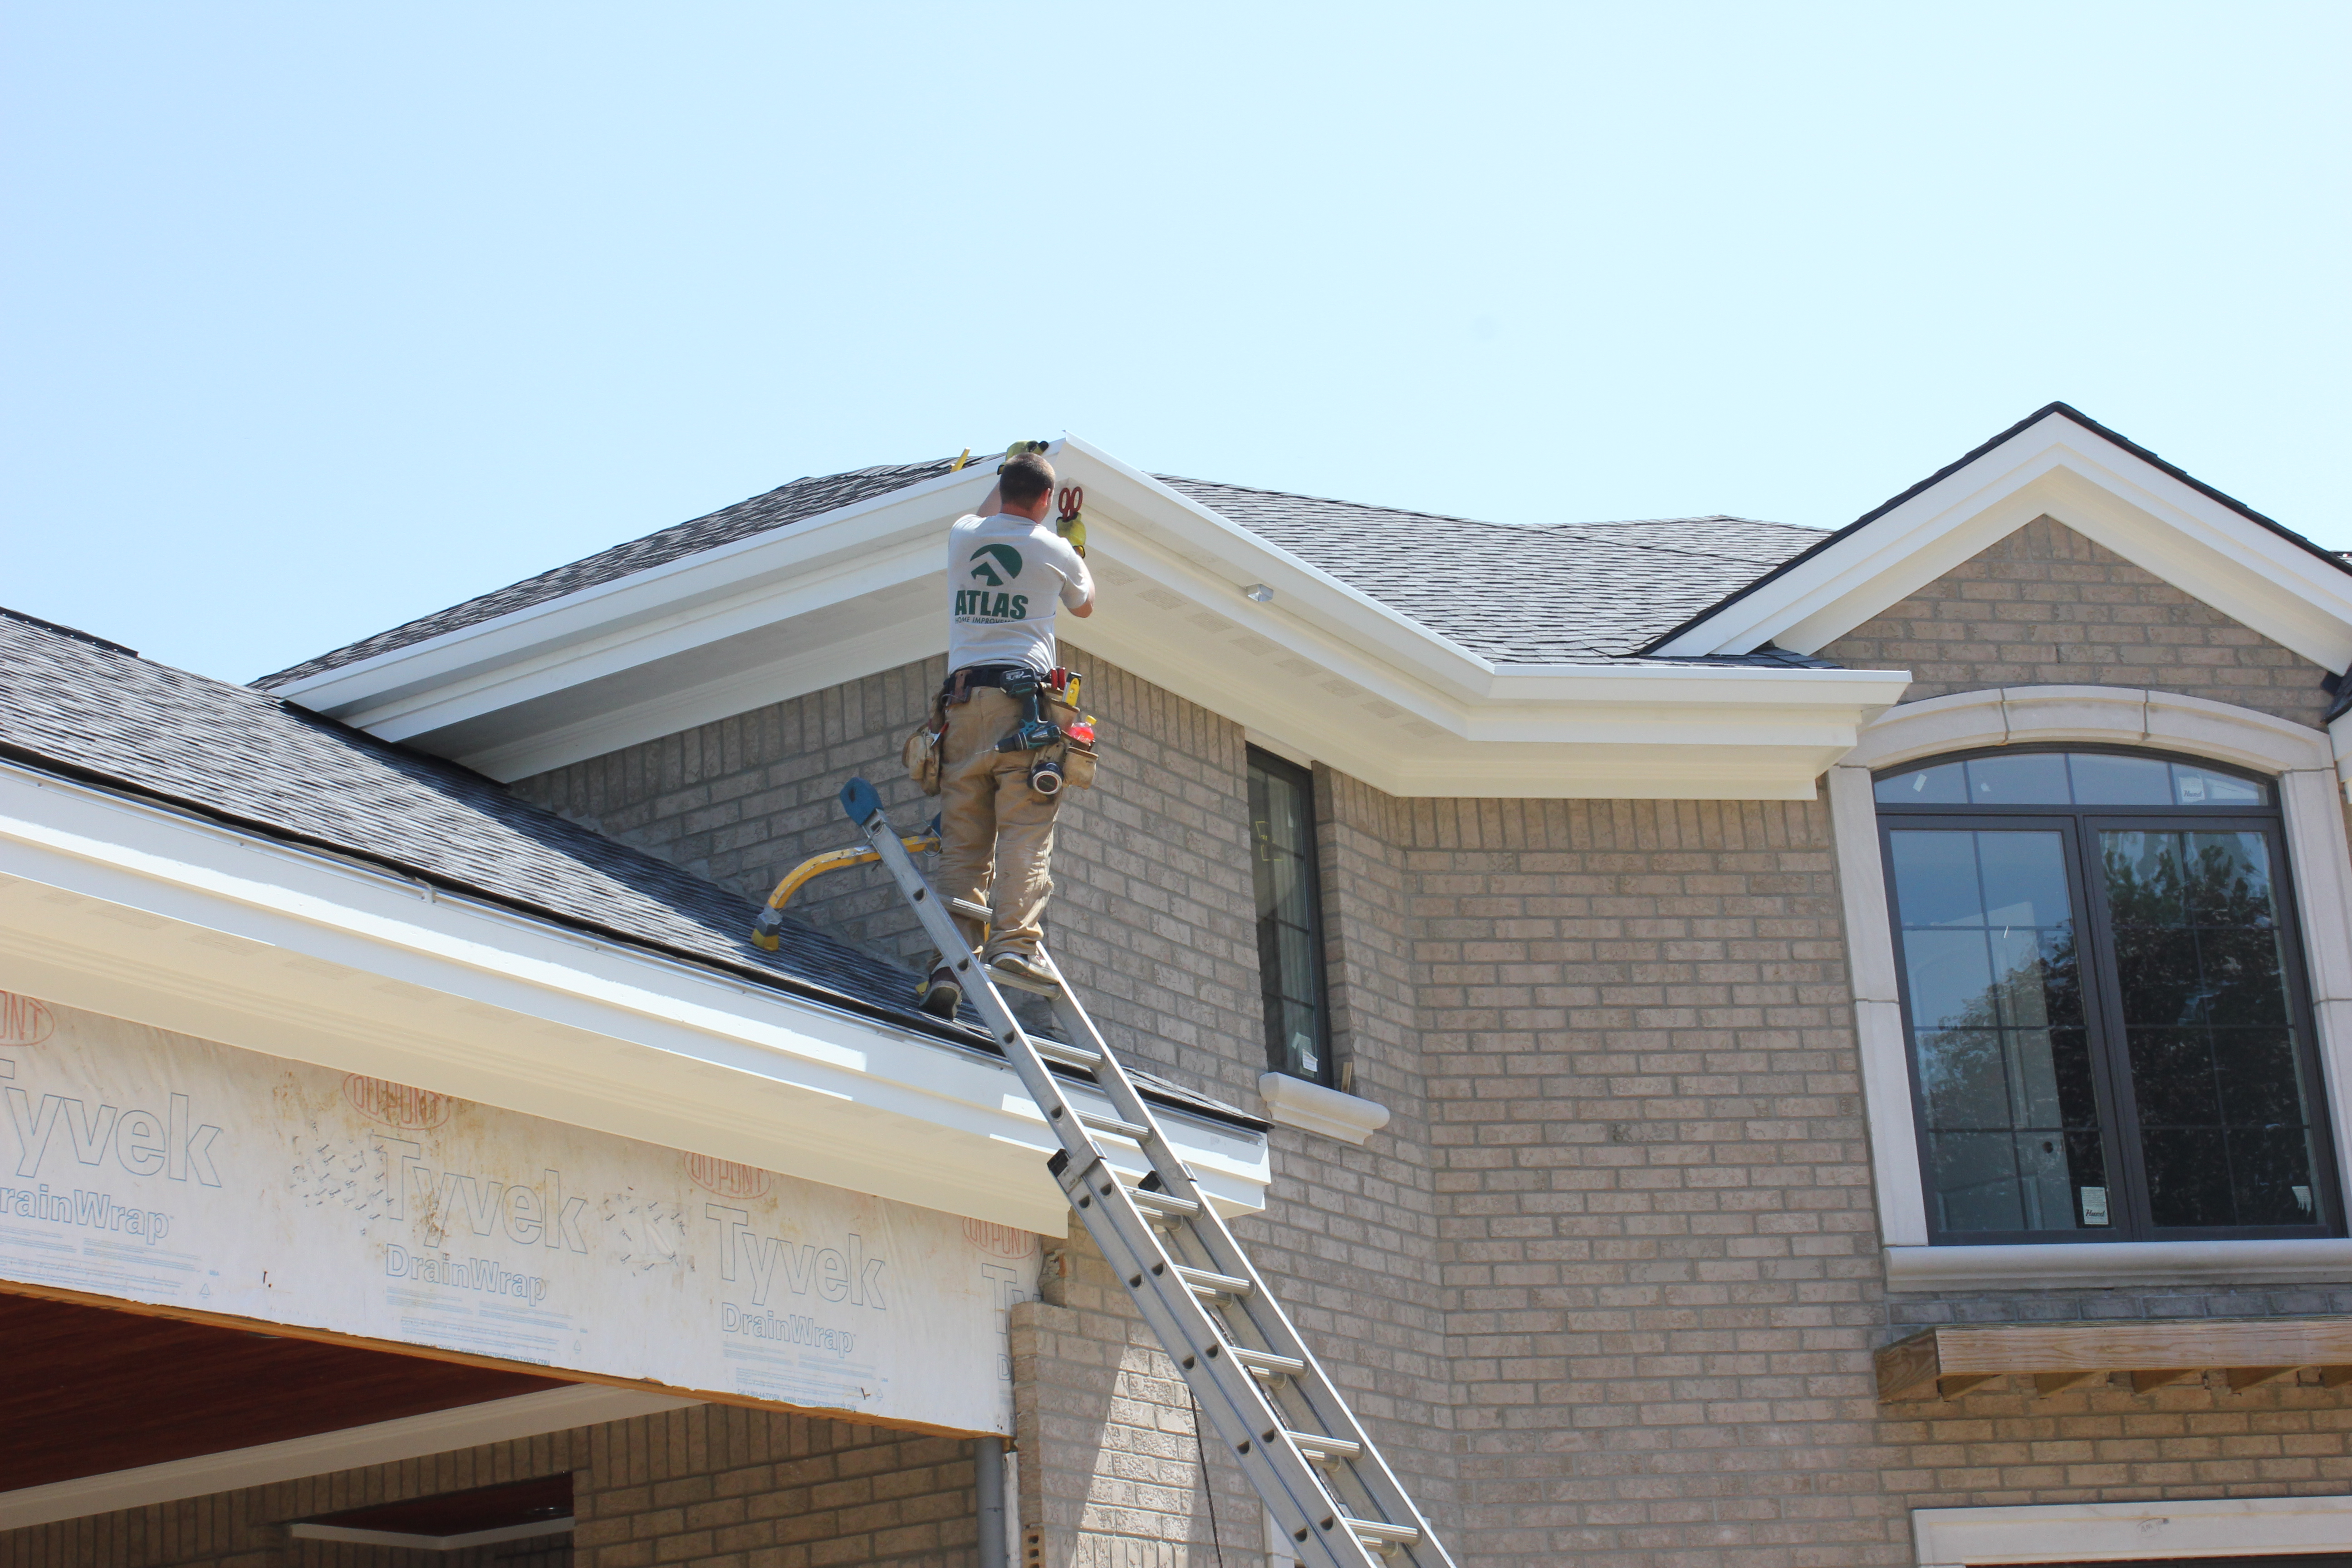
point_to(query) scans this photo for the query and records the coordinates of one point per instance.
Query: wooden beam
(1907, 1368)
(2241, 1377)
(1953, 1387)
(2334, 1376)
(2257, 1350)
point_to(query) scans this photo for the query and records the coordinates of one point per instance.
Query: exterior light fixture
(1259, 593)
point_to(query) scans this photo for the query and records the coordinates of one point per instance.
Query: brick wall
(743, 800)
(2047, 606)
(1607, 1288)
(1659, 1244)
(709, 1484)
(1153, 912)
(1154, 916)
(2100, 1442)
(1112, 1471)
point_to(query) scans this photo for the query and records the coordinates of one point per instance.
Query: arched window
(2109, 1030)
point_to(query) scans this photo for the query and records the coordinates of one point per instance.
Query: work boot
(1023, 972)
(940, 995)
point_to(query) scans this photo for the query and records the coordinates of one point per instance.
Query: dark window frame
(1276, 1043)
(2079, 827)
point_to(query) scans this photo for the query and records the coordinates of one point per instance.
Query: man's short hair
(1026, 478)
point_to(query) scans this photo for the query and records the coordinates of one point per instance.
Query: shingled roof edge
(2063, 409)
(1174, 1098)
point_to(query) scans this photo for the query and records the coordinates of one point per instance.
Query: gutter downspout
(988, 1482)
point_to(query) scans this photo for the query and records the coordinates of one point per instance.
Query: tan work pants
(996, 834)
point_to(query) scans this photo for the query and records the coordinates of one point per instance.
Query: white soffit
(2054, 468)
(140, 913)
(1321, 667)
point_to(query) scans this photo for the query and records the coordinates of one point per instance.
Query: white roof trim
(1323, 669)
(143, 913)
(2056, 467)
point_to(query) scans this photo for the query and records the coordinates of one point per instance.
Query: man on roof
(1008, 574)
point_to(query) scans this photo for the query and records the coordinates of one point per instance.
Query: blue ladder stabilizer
(860, 801)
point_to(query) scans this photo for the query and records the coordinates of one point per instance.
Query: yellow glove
(1074, 530)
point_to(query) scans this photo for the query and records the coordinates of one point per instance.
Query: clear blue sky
(321, 317)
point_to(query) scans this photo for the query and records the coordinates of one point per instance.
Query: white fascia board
(888, 641)
(1323, 667)
(2058, 467)
(1545, 730)
(1651, 731)
(143, 913)
(1223, 548)
(815, 545)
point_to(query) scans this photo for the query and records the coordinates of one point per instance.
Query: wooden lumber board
(1912, 1368)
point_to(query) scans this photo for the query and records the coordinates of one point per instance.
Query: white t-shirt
(1004, 575)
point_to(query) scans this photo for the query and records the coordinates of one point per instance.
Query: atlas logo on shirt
(1005, 555)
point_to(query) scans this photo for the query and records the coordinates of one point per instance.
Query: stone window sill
(2096, 1263)
(2253, 1528)
(1295, 1102)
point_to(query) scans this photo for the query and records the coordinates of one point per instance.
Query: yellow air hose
(766, 932)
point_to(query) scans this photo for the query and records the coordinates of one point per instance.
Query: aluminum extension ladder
(1266, 1398)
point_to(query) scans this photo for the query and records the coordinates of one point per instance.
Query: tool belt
(1050, 726)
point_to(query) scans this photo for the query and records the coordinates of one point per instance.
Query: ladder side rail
(1326, 1409)
(1060, 1111)
(1284, 1477)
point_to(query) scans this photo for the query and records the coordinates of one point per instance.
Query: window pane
(2004, 1067)
(2194, 786)
(1289, 932)
(1945, 784)
(2104, 780)
(2225, 1129)
(2024, 879)
(1936, 879)
(2024, 778)
(2059, 778)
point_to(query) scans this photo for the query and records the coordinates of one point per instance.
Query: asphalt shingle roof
(1567, 592)
(80, 706)
(785, 505)
(1562, 592)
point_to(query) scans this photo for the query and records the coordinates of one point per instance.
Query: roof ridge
(63, 630)
(1335, 501)
(389, 639)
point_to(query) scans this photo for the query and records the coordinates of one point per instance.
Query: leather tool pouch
(921, 751)
(921, 754)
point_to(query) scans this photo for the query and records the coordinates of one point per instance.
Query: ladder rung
(1326, 1450)
(1162, 1205)
(1068, 1056)
(1268, 1366)
(1372, 1532)
(1204, 1282)
(1112, 1125)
